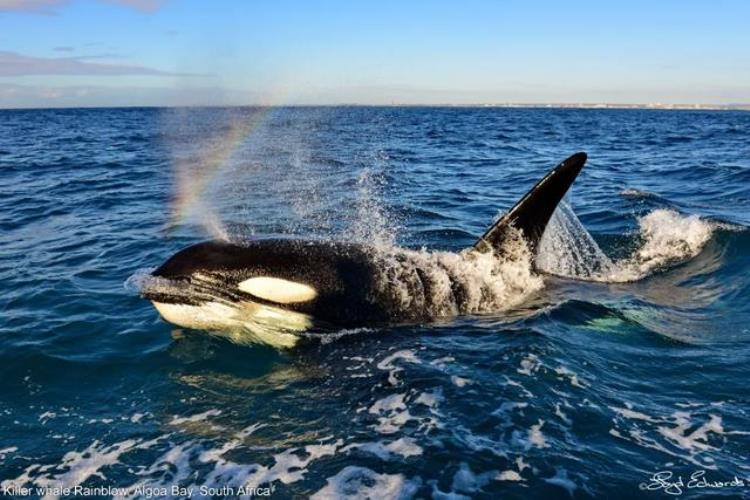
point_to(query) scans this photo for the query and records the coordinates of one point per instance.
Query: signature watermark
(668, 482)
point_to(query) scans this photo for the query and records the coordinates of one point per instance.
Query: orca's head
(265, 271)
(218, 285)
(193, 275)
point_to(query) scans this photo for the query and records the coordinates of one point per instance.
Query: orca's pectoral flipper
(532, 213)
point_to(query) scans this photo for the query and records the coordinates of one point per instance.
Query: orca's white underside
(242, 322)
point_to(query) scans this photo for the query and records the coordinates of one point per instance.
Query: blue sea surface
(587, 389)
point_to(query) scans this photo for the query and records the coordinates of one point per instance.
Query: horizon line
(592, 106)
(546, 105)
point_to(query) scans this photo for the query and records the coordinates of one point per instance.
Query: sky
(57, 53)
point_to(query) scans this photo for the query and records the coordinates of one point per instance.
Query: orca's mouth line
(186, 291)
(199, 289)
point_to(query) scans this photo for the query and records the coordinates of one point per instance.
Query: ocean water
(626, 357)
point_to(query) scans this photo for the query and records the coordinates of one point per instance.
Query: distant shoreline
(650, 106)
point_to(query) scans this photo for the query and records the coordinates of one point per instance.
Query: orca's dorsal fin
(532, 212)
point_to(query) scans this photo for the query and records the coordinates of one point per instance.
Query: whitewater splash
(665, 238)
(448, 284)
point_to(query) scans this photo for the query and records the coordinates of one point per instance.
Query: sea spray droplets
(137, 282)
(567, 249)
(373, 223)
(199, 156)
(666, 238)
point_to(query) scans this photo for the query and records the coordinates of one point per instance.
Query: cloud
(50, 7)
(141, 5)
(15, 64)
(47, 7)
(103, 55)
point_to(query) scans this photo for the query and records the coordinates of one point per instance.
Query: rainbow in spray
(208, 155)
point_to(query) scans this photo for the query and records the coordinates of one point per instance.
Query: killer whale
(271, 290)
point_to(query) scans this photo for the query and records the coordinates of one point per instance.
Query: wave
(664, 238)
(641, 194)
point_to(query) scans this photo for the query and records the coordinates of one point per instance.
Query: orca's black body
(340, 284)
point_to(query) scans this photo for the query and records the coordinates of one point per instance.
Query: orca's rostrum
(273, 290)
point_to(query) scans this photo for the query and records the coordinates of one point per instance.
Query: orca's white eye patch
(277, 290)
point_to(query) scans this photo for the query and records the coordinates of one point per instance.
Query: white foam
(387, 363)
(676, 433)
(405, 355)
(198, 417)
(46, 416)
(101, 420)
(631, 414)
(521, 464)
(636, 193)
(536, 437)
(668, 238)
(515, 383)
(430, 399)
(176, 466)
(393, 413)
(696, 440)
(509, 475)
(76, 466)
(289, 466)
(389, 403)
(460, 381)
(172, 467)
(404, 447)
(362, 483)
(529, 365)
(570, 375)
(329, 337)
(428, 281)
